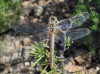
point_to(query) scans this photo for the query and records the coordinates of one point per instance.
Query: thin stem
(63, 52)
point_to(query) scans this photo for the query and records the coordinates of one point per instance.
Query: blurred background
(12, 43)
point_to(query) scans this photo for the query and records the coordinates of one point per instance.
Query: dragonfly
(54, 30)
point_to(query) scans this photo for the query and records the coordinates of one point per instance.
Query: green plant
(9, 11)
(90, 42)
(91, 6)
(80, 7)
(39, 53)
(43, 56)
(83, 6)
(95, 19)
(78, 73)
(68, 41)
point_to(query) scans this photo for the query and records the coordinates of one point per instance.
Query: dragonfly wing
(28, 29)
(75, 21)
(65, 24)
(79, 19)
(77, 33)
(74, 34)
(42, 36)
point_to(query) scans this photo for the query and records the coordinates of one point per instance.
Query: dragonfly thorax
(52, 24)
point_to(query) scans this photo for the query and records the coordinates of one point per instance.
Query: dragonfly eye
(53, 19)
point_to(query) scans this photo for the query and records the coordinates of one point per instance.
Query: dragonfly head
(53, 20)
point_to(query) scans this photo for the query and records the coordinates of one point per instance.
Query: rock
(60, 0)
(34, 20)
(5, 71)
(42, 3)
(21, 65)
(7, 58)
(3, 58)
(21, 18)
(26, 41)
(27, 63)
(70, 66)
(17, 44)
(14, 56)
(38, 10)
(67, 15)
(11, 69)
(90, 71)
(27, 4)
(97, 68)
(82, 57)
(26, 54)
(83, 60)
